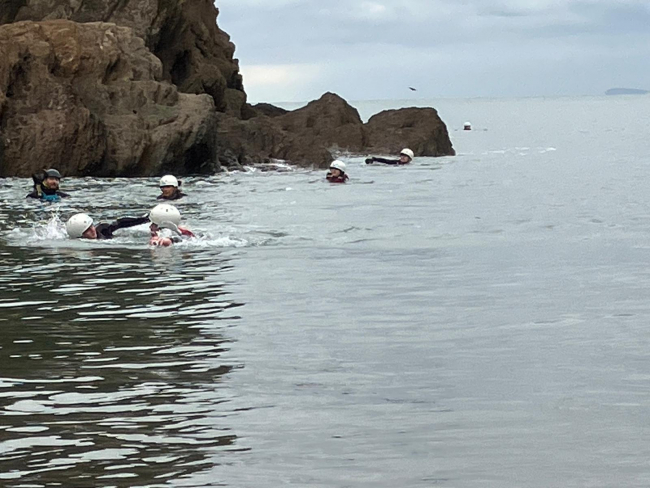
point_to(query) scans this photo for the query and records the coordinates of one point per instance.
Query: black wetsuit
(42, 192)
(384, 161)
(105, 230)
(175, 196)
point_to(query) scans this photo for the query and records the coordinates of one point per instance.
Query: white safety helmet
(407, 152)
(340, 165)
(78, 224)
(169, 180)
(165, 212)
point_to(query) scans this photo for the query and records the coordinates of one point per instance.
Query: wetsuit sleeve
(385, 161)
(33, 194)
(128, 222)
(106, 230)
(62, 194)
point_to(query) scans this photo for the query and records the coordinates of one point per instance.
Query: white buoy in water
(467, 126)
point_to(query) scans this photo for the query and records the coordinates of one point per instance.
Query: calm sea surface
(475, 321)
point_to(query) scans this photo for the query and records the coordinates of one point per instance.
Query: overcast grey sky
(294, 50)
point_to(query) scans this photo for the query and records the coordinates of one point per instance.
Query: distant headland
(626, 91)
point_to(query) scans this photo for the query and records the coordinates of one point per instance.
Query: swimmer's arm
(126, 222)
(385, 161)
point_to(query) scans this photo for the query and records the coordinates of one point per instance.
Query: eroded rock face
(329, 122)
(88, 99)
(261, 139)
(419, 129)
(196, 55)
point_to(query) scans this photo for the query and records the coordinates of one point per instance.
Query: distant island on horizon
(626, 91)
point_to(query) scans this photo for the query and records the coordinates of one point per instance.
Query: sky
(295, 50)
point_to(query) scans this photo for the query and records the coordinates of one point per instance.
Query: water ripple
(150, 408)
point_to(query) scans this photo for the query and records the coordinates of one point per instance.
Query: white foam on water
(209, 241)
(52, 230)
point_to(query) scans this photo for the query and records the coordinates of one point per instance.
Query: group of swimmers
(164, 218)
(161, 218)
(337, 174)
(47, 182)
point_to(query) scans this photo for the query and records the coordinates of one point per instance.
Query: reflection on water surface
(112, 365)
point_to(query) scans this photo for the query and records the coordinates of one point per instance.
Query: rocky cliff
(141, 87)
(196, 55)
(89, 99)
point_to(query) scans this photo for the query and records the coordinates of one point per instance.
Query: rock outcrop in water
(329, 125)
(306, 136)
(419, 129)
(141, 87)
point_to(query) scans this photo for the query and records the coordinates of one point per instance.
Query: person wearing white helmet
(336, 173)
(165, 225)
(80, 226)
(170, 188)
(46, 186)
(405, 157)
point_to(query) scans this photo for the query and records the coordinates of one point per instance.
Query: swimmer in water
(80, 226)
(405, 157)
(46, 186)
(165, 216)
(170, 188)
(336, 173)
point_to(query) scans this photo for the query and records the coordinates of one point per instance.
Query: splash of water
(204, 241)
(53, 229)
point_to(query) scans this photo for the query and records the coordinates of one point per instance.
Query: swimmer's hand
(370, 160)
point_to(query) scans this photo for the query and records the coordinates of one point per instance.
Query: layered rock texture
(196, 55)
(88, 99)
(143, 87)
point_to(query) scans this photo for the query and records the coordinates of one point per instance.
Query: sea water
(469, 321)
